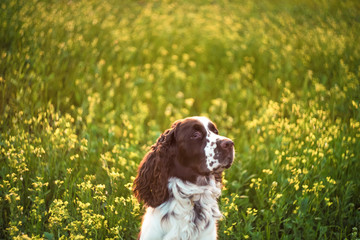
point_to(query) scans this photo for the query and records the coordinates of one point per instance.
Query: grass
(87, 86)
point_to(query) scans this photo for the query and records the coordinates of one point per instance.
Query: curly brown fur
(150, 184)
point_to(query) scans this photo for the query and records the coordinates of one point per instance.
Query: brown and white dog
(179, 180)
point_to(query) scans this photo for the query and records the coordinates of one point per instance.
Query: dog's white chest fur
(190, 213)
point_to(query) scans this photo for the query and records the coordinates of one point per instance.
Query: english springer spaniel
(179, 180)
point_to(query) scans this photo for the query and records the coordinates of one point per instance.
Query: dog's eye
(196, 135)
(213, 129)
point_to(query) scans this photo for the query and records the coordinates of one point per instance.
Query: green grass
(87, 86)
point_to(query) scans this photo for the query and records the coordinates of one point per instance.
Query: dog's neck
(193, 197)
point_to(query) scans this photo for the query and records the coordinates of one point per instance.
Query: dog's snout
(227, 144)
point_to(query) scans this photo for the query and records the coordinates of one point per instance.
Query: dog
(179, 181)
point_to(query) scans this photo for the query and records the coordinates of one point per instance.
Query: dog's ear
(151, 182)
(218, 177)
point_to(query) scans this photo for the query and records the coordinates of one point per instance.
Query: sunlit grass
(87, 86)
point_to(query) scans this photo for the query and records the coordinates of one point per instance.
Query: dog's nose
(227, 144)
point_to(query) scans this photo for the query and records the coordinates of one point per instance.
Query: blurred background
(86, 87)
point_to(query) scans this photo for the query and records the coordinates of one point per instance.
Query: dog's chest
(192, 210)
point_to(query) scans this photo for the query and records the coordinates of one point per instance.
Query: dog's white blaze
(211, 139)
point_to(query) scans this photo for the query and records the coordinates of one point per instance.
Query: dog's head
(192, 147)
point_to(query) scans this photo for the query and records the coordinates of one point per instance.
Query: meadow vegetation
(86, 87)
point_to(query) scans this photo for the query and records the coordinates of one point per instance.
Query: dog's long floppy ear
(218, 177)
(151, 182)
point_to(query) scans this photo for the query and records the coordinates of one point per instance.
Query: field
(86, 87)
